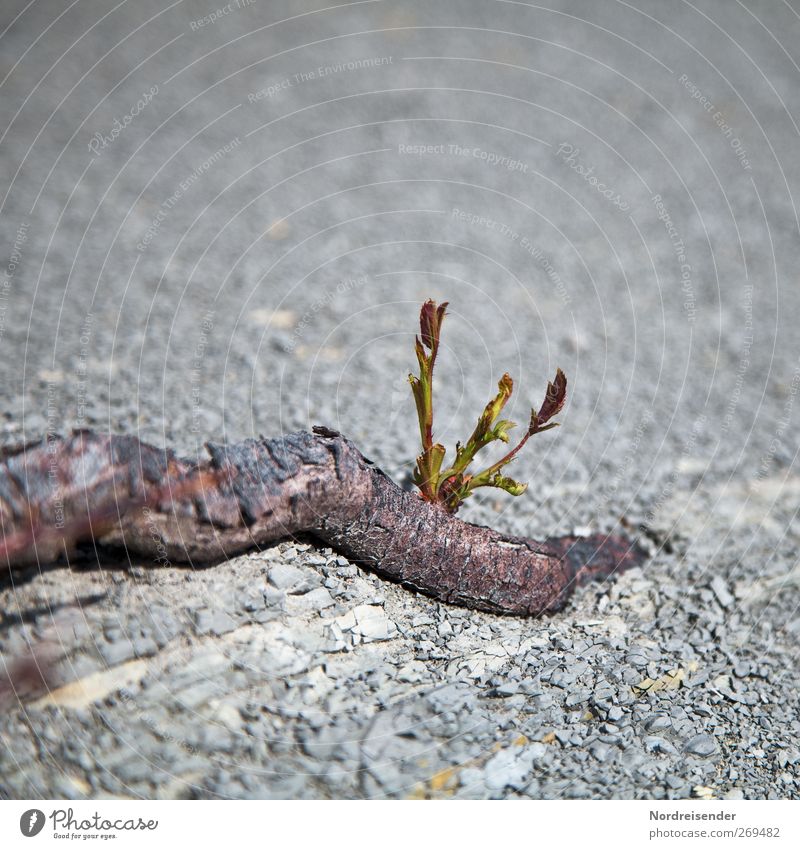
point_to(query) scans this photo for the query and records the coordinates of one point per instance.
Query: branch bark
(118, 490)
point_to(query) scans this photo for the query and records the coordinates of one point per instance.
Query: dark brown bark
(121, 491)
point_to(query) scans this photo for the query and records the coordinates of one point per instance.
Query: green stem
(483, 478)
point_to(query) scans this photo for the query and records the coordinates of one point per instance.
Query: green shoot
(449, 488)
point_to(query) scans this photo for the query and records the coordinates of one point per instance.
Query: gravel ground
(221, 222)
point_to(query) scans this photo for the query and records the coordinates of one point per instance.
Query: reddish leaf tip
(554, 398)
(430, 322)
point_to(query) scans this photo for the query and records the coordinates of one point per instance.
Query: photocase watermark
(100, 141)
(570, 156)
(10, 271)
(719, 119)
(167, 205)
(319, 304)
(474, 219)
(196, 378)
(81, 371)
(680, 254)
(223, 11)
(318, 73)
(32, 822)
(52, 439)
(451, 149)
(66, 825)
(159, 551)
(744, 361)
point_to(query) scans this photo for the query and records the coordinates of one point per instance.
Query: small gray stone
(659, 744)
(720, 589)
(145, 646)
(215, 622)
(285, 577)
(577, 697)
(317, 599)
(657, 722)
(509, 688)
(369, 622)
(701, 745)
(445, 629)
(117, 652)
(506, 769)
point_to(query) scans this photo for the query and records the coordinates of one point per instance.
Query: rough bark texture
(119, 490)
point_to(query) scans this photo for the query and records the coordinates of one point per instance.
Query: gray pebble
(284, 576)
(741, 669)
(659, 744)
(215, 622)
(701, 745)
(658, 722)
(508, 768)
(720, 588)
(117, 652)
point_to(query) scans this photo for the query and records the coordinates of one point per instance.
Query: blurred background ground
(220, 221)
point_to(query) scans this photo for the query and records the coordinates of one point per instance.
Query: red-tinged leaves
(452, 491)
(430, 323)
(427, 323)
(553, 403)
(555, 398)
(430, 460)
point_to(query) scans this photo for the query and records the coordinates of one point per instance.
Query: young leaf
(553, 402)
(430, 323)
(484, 433)
(509, 485)
(418, 391)
(501, 430)
(492, 410)
(430, 460)
(436, 455)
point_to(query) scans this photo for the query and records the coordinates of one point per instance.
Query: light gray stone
(701, 745)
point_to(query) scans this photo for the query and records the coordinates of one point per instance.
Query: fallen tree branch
(118, 490)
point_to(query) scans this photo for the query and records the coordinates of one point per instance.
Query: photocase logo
(31, 822)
